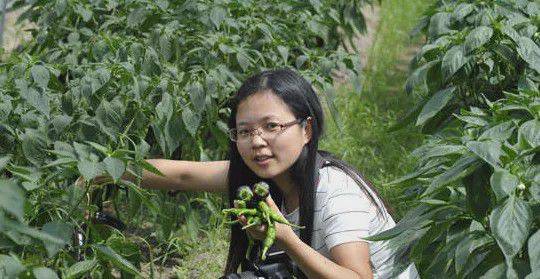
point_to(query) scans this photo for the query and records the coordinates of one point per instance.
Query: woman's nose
(257, 139)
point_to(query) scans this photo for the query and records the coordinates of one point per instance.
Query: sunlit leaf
(510, 223)
(10, 266)
(12, 198)
(40, 75)
(80, 268)
(44, 273)
(477, 38)
(114, 167)
(109, 255)
(452, 61)
(191, 120)
(503, 183)
(530, 52)
(435, 104)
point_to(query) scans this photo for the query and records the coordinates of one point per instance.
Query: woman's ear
(308, 129)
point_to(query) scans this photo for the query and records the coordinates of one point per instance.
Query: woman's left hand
(259, 232)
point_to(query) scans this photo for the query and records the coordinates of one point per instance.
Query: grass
(364, 140)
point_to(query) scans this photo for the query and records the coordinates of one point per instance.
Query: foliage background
(476, 181)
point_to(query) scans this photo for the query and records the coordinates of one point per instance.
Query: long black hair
(300, 97)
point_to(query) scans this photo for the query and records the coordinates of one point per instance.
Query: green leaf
(104, 150)
(418, 76)
(165, 108)
(149, 167)
(60, 122)
(510, 223)
(107, 254)
(34, 144)
(166, 47)
(10, 266)
(530, 52)
(478, 200)
(4, 160)
(12, 198)
(197, 96)
(191, 120)
(114, 167)
(534, 251)
(40, 74)
(462, 10)
(452, 61)
(89, 169)
(458, 170)
(109, 115)
(174, 134)
(218, 15)
(472, 120)
(496, 272)
(284, 52)
(80, 268)
(136, 17)
(44, 273)
(503, 183)
(477, 38)
(439, 24)
(489, 151)
(32, 232)
(501, 132)
(535, 189)
(530, 132)
(59, 230)
(37, 99)
(85, 13)
(435, 104)
(243, 60)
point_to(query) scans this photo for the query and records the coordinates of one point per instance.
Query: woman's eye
(243, 132)
(272, 126)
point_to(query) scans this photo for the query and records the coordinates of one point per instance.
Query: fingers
(272, 204)
(242, 219)
(257, 232)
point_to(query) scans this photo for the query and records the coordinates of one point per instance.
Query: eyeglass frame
(259, 133)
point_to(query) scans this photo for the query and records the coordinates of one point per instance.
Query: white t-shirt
(344, 213)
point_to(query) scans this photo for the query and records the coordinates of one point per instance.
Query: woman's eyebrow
(264, 118)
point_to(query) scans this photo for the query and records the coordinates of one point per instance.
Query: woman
(275, 126)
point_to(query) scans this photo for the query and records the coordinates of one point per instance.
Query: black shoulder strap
(320, 162)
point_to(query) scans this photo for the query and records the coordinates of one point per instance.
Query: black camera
(276, 266)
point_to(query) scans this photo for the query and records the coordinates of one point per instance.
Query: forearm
(180, 175)
(315, 265)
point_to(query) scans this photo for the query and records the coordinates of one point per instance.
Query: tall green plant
(477, 178)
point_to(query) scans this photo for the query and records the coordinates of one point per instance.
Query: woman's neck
(289, 190)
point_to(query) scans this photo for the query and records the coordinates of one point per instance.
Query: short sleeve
(346, 216)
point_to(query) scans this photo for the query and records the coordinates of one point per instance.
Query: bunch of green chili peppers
(251, 203)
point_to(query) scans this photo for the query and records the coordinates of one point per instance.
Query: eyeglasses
(267, 131)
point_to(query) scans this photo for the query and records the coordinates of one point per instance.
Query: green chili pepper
(280, 219)
(240, 203)
(261, 189)
(240, 211)
(265, 211)
(244, 193)
(252, 221)
(250, 246)
(269, 240)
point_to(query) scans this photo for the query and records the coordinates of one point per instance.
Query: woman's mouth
(263, 160)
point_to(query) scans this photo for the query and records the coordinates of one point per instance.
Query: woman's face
(269, 156)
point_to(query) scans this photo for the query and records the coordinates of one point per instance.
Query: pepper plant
(476, 184)
(105, 84)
